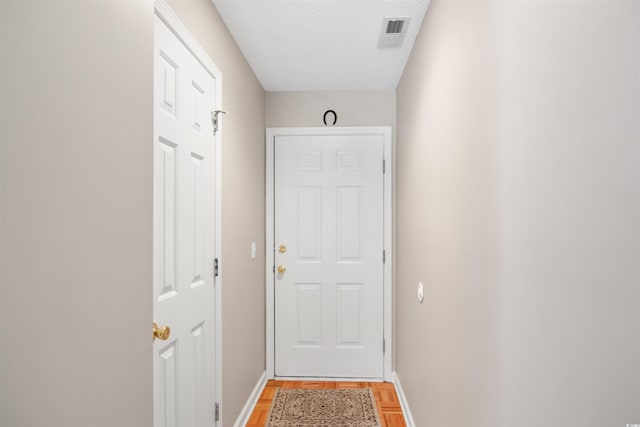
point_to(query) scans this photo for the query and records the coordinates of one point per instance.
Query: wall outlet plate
(420, 292)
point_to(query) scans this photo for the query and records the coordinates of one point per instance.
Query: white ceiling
(321, 44)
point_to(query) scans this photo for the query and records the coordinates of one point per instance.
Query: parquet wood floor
(387, 402)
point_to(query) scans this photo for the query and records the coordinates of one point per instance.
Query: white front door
(183, 231)
(328, 202)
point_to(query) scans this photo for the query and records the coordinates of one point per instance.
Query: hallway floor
(389, 409)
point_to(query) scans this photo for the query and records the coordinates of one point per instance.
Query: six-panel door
(329, 216)
(183, 291)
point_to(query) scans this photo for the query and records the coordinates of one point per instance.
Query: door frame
(168, 16)
(387, 334)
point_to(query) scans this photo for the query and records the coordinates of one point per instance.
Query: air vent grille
(395, 27)
(393, 31)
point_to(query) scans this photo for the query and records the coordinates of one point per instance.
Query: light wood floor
(389, 409)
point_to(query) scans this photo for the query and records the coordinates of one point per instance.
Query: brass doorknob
(282, 249)
(161, 332)
(281, 269)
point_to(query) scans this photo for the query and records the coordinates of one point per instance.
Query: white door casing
(328, 203)
(186, 227)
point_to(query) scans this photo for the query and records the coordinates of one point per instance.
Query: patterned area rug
(323, 408)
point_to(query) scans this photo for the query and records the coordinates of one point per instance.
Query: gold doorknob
(161, 332)
(281, 269)
(282, 249)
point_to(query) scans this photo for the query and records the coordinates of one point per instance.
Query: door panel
(166, 378)
(184, 166)
(329, 215)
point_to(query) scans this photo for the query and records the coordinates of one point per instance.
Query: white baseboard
(245, 414)
(408, 418)
(336, 379)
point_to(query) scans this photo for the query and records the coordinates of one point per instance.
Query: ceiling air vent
(394, 27)
(393, 32)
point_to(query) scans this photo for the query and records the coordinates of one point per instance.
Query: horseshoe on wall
(335, 117)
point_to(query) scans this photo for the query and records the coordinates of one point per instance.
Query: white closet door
(183, 289)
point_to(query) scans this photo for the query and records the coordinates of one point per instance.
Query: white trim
(333, 379)
(408, 418)
(168, 16)
(388, 234)
(248, 408)
(270, 255)
(218, 247)
(388, 246)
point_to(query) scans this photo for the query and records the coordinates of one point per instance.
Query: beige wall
(243, 292)
(353, 108)
(570, 207)
(518, 207)
(76, 165)
(447, 221)
(76, 185)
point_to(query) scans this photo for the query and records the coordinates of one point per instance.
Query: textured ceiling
(321, 44)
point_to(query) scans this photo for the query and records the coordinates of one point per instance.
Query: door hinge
(384, 346)
(216, 268)
(384, 166)
(217, 409)
(384, 256)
